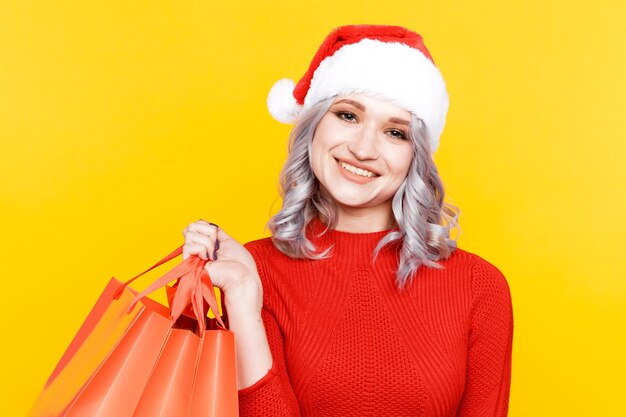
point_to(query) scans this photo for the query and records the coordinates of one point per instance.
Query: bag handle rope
(194, 286)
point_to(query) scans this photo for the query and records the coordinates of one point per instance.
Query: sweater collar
(351, 246)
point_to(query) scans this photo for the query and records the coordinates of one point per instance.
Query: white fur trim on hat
(281, 103)
(393, 70)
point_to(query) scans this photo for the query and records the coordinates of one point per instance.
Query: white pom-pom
(281, 102)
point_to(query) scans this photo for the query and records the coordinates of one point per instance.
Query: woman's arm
(254, 358)
(488, 378)
(272, 395)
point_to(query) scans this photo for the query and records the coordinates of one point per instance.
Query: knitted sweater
(346, 342)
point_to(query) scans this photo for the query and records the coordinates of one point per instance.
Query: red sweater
(346, 342)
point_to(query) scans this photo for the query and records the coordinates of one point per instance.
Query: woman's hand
(233, 269)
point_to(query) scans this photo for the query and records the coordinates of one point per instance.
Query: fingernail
(213, 224)
(217, 246)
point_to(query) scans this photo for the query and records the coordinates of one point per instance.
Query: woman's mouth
(355, 174)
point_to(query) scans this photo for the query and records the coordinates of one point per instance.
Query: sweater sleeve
(273, 394)
(488, 376)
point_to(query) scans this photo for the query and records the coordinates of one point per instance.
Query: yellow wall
(123, 121)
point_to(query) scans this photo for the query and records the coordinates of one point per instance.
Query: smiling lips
(354, 174)
(357, 170)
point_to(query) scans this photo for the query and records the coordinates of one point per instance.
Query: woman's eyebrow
(362, 108)
(399, 121)
(354, 103)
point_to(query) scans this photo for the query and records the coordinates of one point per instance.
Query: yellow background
(123, 121)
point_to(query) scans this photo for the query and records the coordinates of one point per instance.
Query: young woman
(360, 304)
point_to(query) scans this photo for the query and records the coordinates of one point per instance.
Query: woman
(360, 304)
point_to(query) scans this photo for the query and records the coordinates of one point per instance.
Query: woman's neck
(362, 220)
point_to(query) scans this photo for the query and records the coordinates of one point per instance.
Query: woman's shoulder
(265, 253)
(486, 278)
(261, 245)
(480, 266)
(460, 255)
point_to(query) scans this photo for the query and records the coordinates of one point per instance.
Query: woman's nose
(363, 145)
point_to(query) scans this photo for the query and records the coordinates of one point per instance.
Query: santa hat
(388, 61)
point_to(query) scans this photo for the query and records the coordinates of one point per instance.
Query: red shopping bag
(136, 357)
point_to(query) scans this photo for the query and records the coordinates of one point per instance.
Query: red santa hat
(391, 62)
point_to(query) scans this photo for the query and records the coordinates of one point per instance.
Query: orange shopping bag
(136, 357)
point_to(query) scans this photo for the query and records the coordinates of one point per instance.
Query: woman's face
(371, 136)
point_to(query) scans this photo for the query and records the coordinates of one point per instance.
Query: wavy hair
(424, 220)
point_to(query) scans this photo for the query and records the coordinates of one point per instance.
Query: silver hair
(424, 220)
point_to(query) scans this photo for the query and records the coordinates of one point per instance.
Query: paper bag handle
(194, 285)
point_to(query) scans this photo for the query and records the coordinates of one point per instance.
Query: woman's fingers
(195, 249)
(195, 237)
(203, 233)
(203, 227)
(204, 239)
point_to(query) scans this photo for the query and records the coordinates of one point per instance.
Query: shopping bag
(133, 356)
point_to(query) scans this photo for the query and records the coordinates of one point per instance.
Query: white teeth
(357, 171)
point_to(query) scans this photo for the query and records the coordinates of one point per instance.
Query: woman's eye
(346, 116)
(397, 134)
